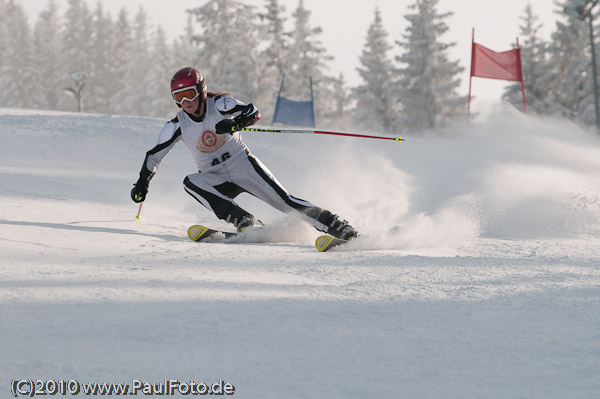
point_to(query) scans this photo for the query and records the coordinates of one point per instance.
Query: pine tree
(308, 59)
(4, 60)
(76, 50)
(137, 66)
(227, 47)
(570, 63)
(4, 39)
(47, 58)
(376, 105)
(185, 52)
(341, 115)
(120, 101)
(276, 45)
(16, 71)
(158, 101)
(428, 81)
(536, 75)
(276, 39)
(100, 87)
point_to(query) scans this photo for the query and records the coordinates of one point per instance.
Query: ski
(200, 233)
(325, 243)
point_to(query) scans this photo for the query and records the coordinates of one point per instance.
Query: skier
(209, 123)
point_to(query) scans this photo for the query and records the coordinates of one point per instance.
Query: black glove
(139, 191)
(227, 126)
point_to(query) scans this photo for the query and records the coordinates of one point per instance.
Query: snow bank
(481, 277)
(512, 176)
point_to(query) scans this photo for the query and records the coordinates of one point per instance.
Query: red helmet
(189, 77)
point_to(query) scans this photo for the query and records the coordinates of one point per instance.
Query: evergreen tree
(570, 64)
(75, 41)
(137, 67)
(308, 59)
(16, 83)
(158, 101)
(376, 105)
(227, 47)
(341, 116)
(47, 57)
(185, 52)
(4, 39)
(4, 60)
(428, 81)
(120, 101)
(100, 87)
(536, 75)
(274, 55)
(276, 39)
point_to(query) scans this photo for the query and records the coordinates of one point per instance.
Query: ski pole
(137, 217)
(255, 129)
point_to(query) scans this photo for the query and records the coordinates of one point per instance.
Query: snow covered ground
(478, 275)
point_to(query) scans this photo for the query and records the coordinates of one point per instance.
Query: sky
(496, 25)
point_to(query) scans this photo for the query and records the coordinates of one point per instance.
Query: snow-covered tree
(428, 83)
(569, 59)
(275, 45)
(100, 87)
(138, 64)
(308, 59)
(76, 50)
(276, 39)
(537, 77)
(185, 52)
(47, 57)
(228, 47)
(158, 101)
(377, 107)
(4, 40)
(16, 69)
(341, 115)
(123, 70)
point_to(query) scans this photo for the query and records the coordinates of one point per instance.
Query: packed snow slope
(478, 275)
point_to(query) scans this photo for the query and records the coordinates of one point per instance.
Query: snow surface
(478, 275)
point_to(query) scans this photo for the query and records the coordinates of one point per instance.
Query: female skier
(209, 125)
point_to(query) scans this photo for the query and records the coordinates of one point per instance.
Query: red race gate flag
(486, 63)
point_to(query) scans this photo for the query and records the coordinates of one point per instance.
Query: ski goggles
(186, 93)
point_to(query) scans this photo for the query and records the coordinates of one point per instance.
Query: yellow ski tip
(322, 243)
(399, 139)
(195, 232)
